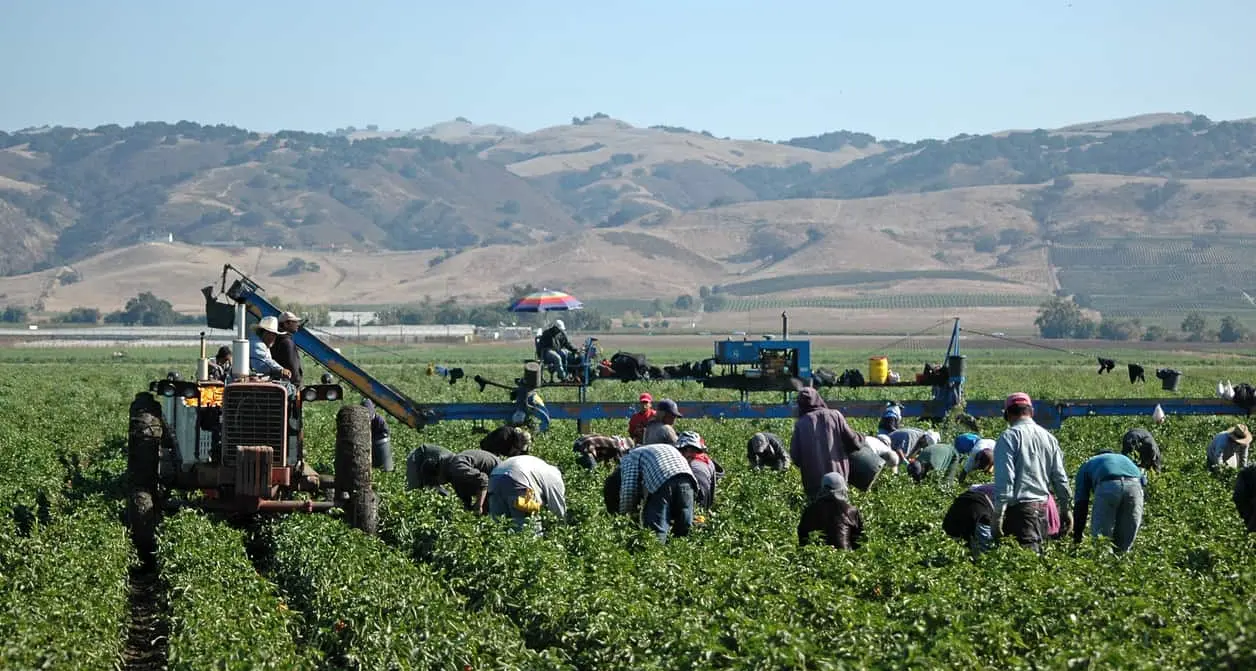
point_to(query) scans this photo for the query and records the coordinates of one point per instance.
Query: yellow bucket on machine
(878, 369)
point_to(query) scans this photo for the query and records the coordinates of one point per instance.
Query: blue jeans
(1117, 512)
(670, 508)
(982, 539)
(554, 361)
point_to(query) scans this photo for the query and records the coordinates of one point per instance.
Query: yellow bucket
(878, 369)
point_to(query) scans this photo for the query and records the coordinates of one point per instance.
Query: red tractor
(237, 447)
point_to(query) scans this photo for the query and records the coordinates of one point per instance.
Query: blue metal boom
(1049, 413)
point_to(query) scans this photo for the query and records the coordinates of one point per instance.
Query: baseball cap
(1019, 398)
(965, 442)
(668, 406)
(645, 396)
(288, 317)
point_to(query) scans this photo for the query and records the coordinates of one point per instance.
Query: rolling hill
(841, 221)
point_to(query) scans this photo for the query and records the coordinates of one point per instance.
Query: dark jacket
(766, 449)
(285, 353)
(822, 441)
(841, 523)
(467, 472)
(379, 427)
(1245, 496)
(1141, 441)
(966, 512)
(556, 339)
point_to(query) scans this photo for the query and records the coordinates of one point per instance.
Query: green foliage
(79, 316)
(367, 607)
(223, 614)
(1062, 318)
(296, 266)
(147, 309)
(1232, 330)
(1194, 324)
(13, 314)
(63, 591)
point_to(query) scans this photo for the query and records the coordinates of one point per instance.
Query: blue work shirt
(260, 360)
(1100, 467)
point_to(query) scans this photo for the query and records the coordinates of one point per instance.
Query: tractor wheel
(144, 441)
(353, 468)
(141, 518)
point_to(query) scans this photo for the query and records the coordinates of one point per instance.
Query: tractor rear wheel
(353, 487)
(144, 441)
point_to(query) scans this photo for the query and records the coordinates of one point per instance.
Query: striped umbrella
(546, 301)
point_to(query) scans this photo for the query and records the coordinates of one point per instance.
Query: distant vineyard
(889, 302)
(1151, 253)
(774, 285)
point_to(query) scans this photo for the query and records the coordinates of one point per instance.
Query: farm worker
(832, 513)
(979, 460)
(706, 471)
(639, 419)
(1230, 447)
(880, 445)
(766, 450)
(660, 428)
(890, 419)
(553, 343)
(423, 466)
(1140, 441)
(822, 441)
(1028, 464)
(659, 474)
(908, 441)
(939, 457)
(507, 441)
(1117, 485)
(381, 447)
(1052, 509)
(284, 350)
(1245, 496)
(260, 360)
(520, 486)
(594, 449)
(220, 365)
(970, 518)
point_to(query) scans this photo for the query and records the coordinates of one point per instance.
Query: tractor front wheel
(144, 440)
(353, 488)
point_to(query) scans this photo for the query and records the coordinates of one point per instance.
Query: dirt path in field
(149, 634)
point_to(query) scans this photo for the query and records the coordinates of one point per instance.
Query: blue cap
(965, 442)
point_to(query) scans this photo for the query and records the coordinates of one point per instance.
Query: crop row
(63, 591)
(888, 302)
(1147, 255)
(365, 606)
(223, 614)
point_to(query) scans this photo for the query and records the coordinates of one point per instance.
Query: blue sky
(902, 69)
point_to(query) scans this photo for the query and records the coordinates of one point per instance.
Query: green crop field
(440, 588)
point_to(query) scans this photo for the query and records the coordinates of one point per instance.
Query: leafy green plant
(222, 613)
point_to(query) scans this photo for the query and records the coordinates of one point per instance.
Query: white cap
(935, 437)
(561, 326)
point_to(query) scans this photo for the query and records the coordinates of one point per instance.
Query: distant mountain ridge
(598, 203)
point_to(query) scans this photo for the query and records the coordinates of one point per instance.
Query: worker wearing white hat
(260, 360)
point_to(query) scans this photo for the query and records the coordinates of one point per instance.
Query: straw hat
(269, 325)
(1241, 435)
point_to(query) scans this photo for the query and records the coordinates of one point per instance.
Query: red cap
(1019, 398)
(645, 396)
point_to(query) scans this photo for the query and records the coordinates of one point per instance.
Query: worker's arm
(1004, 478)
(1081, 503)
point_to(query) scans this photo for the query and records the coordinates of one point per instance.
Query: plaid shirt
(603, 448)
(648, 466)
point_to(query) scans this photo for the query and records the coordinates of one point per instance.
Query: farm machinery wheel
(144, 441)
(353, 488)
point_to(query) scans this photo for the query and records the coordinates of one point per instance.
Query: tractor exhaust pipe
(240, 346)
(784, 326)
(202, 364)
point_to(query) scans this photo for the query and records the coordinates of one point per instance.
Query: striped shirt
(648, 467)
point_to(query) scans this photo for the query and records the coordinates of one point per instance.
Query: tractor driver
(261, 362)
(552, 344)
(220, 366)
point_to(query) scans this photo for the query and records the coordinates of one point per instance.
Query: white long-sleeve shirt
(534, 473)
(1028, 465)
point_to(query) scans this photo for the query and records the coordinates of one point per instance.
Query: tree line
(1062, 317)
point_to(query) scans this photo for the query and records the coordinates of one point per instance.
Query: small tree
(1231, 330)
(1194, 324)
(1059, 318)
